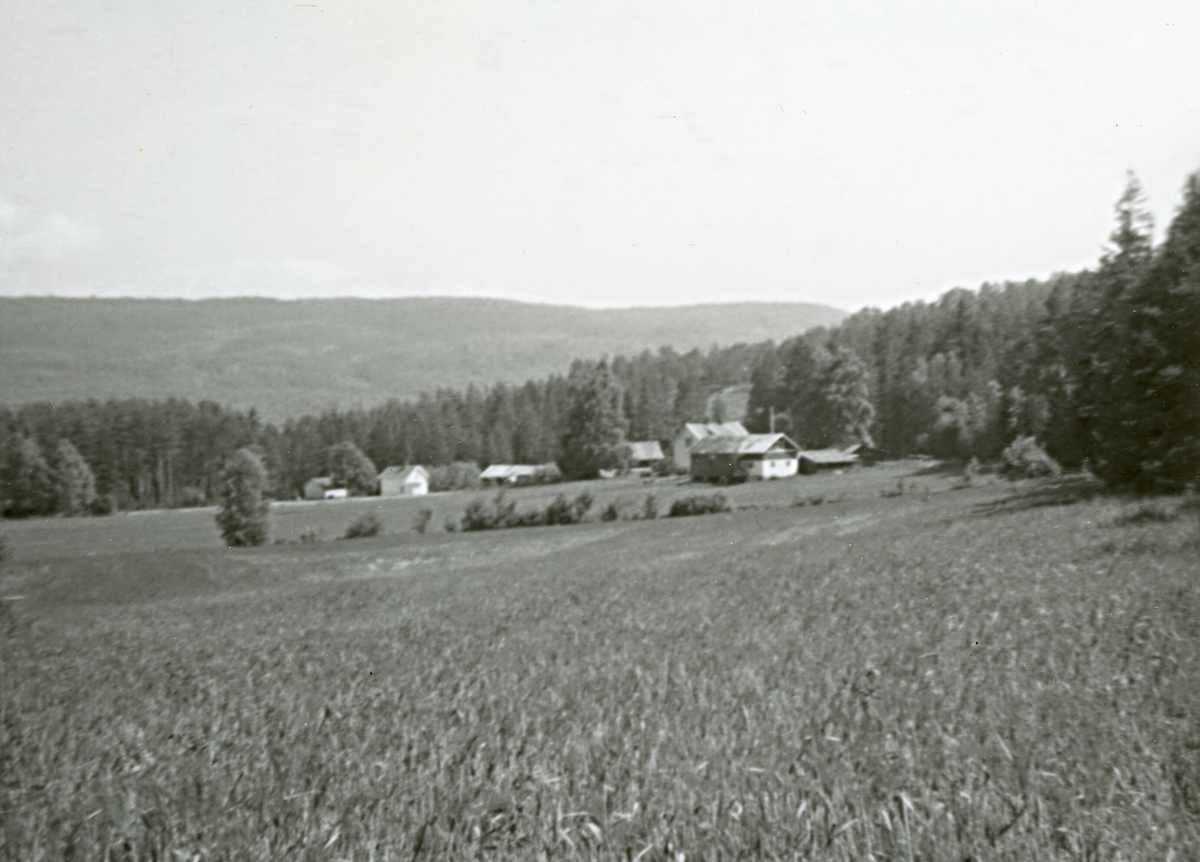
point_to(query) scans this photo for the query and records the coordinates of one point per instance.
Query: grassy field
(914, 672)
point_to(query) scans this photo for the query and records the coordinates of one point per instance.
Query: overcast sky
(593, 153)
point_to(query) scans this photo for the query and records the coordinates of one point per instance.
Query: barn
(750, 456)
(403, 481)
(693, 433)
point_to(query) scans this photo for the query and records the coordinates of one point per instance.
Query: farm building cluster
(705, 451)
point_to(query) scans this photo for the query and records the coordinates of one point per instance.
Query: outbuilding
(645, 455)
(693, 432)
(814, 460)
(321, 488)
(403, 481)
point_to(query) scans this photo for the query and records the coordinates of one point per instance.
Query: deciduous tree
(243, 513)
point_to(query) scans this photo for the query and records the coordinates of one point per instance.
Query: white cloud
(51, 235)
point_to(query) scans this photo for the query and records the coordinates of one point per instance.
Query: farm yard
(891, 663)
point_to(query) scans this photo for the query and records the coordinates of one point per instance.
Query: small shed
(693, 432)
(814, 460)
(321, 488)
(403, 481)
(758, 456)
(645, 455)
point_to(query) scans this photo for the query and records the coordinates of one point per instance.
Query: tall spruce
(1107, 398)
(1163, 363)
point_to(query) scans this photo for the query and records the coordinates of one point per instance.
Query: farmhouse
(403, 481)
(645, 455)
(321, 488)
(812, 460)
(693, 433)
(750, 456)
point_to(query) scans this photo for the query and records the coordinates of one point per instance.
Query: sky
(604, 154)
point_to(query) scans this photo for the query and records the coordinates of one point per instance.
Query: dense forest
(1100, 366)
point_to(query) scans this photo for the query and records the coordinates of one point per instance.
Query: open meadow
(890, 664)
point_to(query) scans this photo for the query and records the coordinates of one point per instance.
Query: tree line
(1099, 366)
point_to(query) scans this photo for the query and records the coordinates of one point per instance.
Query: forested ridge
(1100, 366)
(289, 358)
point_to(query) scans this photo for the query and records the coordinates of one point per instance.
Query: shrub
(308, 537)
(242, 517)
(562, 511)
(364, 527)
(649, 508)
(105, 504)
(192, 498)
(610, 513)
(461, 475)
(479, 516)
(421, 520)
(699, 504)
(1025, 459)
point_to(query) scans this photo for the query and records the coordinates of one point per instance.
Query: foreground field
(990, 672)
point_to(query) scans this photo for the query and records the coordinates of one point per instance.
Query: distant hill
(287, 358)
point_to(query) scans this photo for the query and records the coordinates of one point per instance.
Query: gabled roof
(509, 471)
(405, 473)
(746, 444)
(828, 456)
(645, 450)
(701, 430)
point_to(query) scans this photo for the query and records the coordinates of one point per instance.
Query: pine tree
(243, 514)
(75, 483)
(29, 485)
(595, 424)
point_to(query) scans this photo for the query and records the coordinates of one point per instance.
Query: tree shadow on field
(941, 468)
(1064, 491)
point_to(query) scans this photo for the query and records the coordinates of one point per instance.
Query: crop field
(890, 664)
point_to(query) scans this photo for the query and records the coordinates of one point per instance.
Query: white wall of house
(772, 468)
(681, 450)
(335, 494)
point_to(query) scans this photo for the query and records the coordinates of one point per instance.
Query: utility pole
(772, 409)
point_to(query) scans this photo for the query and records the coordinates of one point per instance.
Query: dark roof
(750, 444)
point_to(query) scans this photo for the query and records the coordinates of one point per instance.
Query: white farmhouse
(403, 481)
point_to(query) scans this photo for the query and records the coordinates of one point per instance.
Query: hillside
(286, 358)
